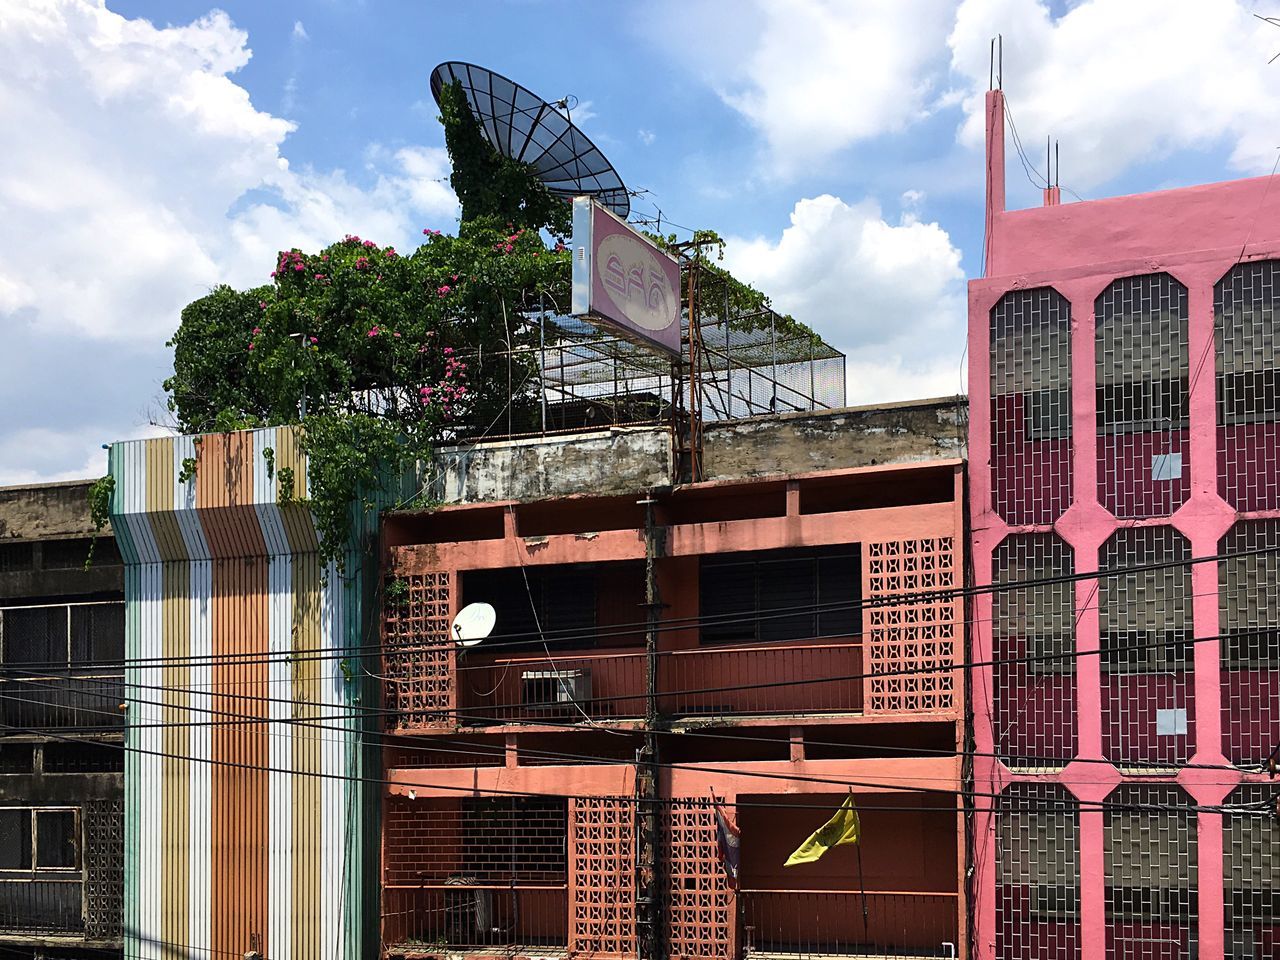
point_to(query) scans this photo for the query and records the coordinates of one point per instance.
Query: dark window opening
(56, 840)
(56, 836)
(778, 595)
(71, 554)
(1048, 413)
(1141, 651)
(34, 635)
(552, 604)
(15, 838)
(97, 634)
(83, 758)
(16, 758)
(15, 557)
(1143, 406)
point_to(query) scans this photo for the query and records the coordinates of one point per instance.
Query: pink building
(1126, 350)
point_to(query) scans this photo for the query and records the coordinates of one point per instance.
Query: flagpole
(862, 886)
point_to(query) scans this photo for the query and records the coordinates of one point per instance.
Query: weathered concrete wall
(616, 461)
(834, 439)
(46, 510)
(44, 535)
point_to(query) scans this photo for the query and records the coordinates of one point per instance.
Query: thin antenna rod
(1000, 61)
(991, 66)
(1057, 166)
(1048, 162)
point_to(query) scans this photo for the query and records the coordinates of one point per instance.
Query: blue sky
(155, 149)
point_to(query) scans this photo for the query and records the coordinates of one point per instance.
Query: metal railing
(707, 680)
(822, 923)
(465, 915)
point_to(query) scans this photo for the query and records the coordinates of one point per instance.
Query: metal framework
(575, 375)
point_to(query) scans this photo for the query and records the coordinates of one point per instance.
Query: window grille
(62, 665)
(472, 872)
(1033, 631)
(1150, 870)
(419, 660)
(1141, 356)
(741, 593)
(1038, 873)
(1251, 878)
(1031, 406)
(1147, 650)
(1249, 622)
(1248, 385)
(104, 867)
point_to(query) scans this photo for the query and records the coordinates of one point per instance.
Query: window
(556, 604)
(63, 635)
(16, 556)
(776, 595)
(1048, 413)
(38, 840)
(1145, 614)
(1248, 603)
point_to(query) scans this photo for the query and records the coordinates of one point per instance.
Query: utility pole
(649, 879)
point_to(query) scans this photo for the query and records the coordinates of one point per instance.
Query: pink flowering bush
(391, 361)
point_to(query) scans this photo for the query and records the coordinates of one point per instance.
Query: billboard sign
(622, 281)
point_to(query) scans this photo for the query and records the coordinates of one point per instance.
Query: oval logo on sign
(636, 283)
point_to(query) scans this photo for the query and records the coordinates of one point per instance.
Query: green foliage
(269, 455)
(375, 355)
(286, 491)
(397, 591)
(188, 471)
(724, 296)
(99, 496)
(489, 184)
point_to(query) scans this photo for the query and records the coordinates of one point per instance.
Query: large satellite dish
(521, 125)
(473, 623)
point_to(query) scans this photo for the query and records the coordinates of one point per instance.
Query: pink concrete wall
(1195, 234)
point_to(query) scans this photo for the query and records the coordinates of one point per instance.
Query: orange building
(776, 639)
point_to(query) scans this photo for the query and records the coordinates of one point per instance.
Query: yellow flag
(843, 827)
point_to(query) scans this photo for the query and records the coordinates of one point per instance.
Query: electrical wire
(1075, 803)
(673, 624)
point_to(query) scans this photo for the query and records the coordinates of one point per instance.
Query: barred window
(1141, 355)
(1038, 873)
(1147, 646)
(1031, 405)
(1034, 637)
(1150, 869)
(1248, 385)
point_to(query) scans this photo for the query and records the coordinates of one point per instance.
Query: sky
(151, 149)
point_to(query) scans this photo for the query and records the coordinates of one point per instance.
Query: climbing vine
(376, 354)
(100, 494)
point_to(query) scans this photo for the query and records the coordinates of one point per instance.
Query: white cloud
(1125, 82)
(127, 145)
(891, 295)
(814, 76)
(137, 174)
(300, 32)
(646, 137)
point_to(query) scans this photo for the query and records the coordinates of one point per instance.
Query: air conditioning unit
(555, 689)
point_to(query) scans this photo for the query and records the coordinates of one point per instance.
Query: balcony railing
(785, 678)
(38, 702)
(40, 905)
(464, 916)
(823, 923)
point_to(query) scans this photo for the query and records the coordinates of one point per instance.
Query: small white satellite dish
(473, 623)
